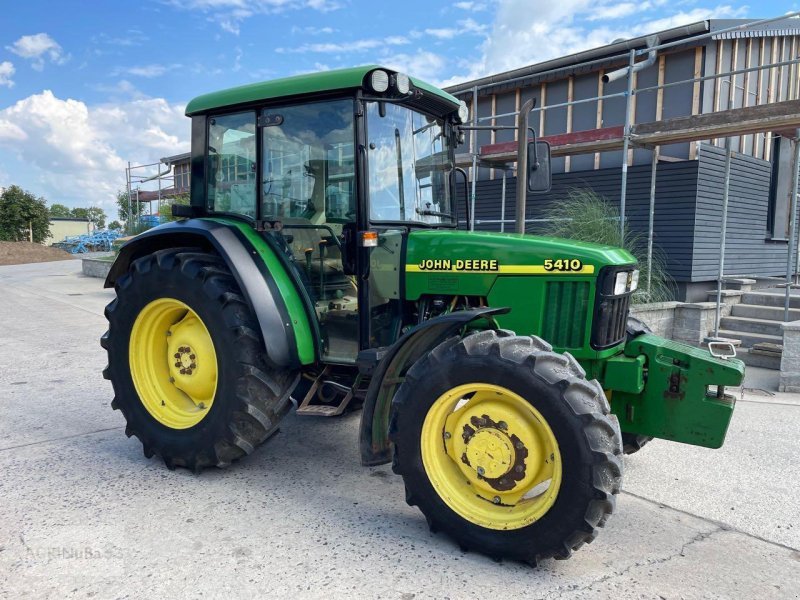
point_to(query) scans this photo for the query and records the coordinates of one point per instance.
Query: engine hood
(507, 253)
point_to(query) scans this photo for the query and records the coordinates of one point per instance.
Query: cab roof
(310, 83)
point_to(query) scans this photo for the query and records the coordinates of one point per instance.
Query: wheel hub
(173, 363)
(490, 453)
(491, 456)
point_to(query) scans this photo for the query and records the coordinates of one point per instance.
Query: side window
(232, 164)
(308, 162)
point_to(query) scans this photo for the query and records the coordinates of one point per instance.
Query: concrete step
(770, 299)
(751, 325)
(748, 339)
(752, 359)
(770, 313)
(742, 284)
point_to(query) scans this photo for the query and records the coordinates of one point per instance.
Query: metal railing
(729, 77)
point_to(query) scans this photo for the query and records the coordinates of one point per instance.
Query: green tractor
(320, 266)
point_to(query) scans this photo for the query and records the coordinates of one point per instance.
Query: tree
(22, 213)
(97, 216)
(115, 225)
(59, 210)
(122, 205)
(165, 208)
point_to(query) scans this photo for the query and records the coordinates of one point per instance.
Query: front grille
(610, 319)
(566, 308)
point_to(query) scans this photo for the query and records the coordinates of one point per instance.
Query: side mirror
(539, 176)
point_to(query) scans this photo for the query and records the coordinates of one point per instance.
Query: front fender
(390, 373)
(264, 280)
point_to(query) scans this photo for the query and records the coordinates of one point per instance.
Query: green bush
(589, 217)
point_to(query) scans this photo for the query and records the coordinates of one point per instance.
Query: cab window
(232, 164)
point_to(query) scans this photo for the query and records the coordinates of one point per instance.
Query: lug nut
(519, 445)
(519, 468)
(177, 355)
(192, 357)
(496, 500)
(192, 366)
(502, 425)
(183, 371)
(481, 471)
(447, 435)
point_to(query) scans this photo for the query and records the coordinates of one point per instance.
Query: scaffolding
(782, 116)
(135, 177)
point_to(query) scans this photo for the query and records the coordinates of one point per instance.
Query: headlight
(463, 112)
(402, 83)
(634, 280)
(626, 281)
(621, 283)
(379, 81)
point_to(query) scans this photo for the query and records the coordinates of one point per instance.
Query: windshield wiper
(433, 213)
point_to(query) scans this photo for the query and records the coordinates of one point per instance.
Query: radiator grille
(566, 309)
(610, 319)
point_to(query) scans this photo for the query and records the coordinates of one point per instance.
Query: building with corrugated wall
(689, 174)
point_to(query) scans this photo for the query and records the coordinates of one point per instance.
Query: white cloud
(345, 47)
(525, 32)
(38, 47)
(73, 153)
(471, 6)
(229, 14)
(465, 26)
(149, 71)
(313, 30)
(425, 65)
(6, 73)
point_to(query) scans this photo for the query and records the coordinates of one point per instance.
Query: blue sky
(87, 86)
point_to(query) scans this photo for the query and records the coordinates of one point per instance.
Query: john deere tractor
(323, 265)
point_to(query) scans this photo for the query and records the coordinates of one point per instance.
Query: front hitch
(683, 398)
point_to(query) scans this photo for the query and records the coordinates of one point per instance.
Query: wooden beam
(635, 76)
(758, 139)
(599, 115)
(542, 103)
(748, 54)
(698, 71)
(738, 121)
(564, 144)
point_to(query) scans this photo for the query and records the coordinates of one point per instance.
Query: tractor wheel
(505, 446)
(186, 359)
(633, 442)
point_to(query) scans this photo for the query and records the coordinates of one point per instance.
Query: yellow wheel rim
(173, 363)
(491, 456)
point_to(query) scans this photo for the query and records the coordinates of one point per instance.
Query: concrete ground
(84, 514)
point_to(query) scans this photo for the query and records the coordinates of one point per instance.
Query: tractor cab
(336, 168)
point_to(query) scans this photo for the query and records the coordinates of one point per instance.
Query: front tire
(505, 446)
(187, 361)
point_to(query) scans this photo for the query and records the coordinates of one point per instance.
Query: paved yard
(84, 514)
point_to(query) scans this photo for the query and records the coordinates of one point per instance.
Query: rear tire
(249, 398)
(574, 410)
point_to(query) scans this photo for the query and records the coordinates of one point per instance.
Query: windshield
(409, 166)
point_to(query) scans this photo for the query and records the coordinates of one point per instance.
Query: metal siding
(747, 252)
(506, 103)
(556, 118)
(584, 116)
(674, 215)
(678, 99)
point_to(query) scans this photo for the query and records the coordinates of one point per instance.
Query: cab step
(312, 406)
